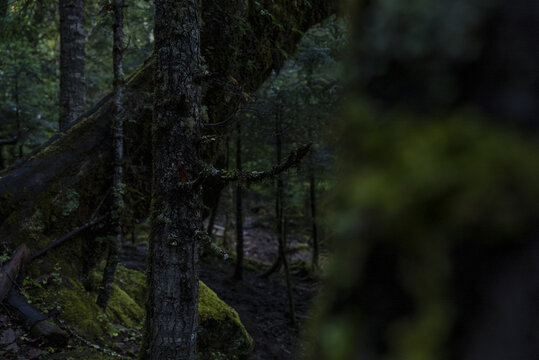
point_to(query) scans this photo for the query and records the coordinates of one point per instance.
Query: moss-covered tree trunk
(118, 147)
(176, 221)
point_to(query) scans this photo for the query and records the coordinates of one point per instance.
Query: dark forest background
(409, 230)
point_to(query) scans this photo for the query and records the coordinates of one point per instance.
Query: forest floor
(261, 303)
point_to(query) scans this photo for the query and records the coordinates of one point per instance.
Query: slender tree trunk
(176, 213)
(279, 214)
(2, 158)
(18, 116)
(278, 197)
(289, 289)
(4, 6)
(72, 59)
(238, 272)
(213, 215)
(315, 258)
(118, 145)
(226, 242)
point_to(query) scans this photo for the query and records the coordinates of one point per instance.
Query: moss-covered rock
(221, 333)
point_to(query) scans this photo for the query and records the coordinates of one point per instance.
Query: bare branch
(9, 141)
(248, 177)
(57, 242)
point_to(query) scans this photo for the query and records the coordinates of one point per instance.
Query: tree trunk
(238, 272)
(314, 234)
(72, 59)
(4, 6)
(176, 203)
(288, 278)
(118, 145)
(279, 214)
(226, 243)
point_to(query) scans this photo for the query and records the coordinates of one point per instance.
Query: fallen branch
(11, 270)
(57, 242)
(35, 321)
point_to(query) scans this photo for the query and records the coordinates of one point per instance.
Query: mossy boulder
(221, 333)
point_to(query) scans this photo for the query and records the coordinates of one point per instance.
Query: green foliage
(29, 68)
(306, 95)
(71, 203)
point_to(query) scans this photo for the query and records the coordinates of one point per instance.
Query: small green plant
(5, 257)
(56, 274)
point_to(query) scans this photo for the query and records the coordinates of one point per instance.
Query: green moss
(133, 283)
(123, 309)
(76, 308)
(67, 141)
(211, 307)
(221, 333)
(220, 328)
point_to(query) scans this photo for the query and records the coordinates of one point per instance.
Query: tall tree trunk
(2, 157)
(314, 234)
(4, 6)
(278, 198)
(288, 278)
(238, 272)
(226, 243)
(279, 214)
(118, 145)
(176, 203)
(72, 59)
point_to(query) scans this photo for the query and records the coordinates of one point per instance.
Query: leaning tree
(65, 183)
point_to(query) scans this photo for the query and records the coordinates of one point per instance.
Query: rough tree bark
(72, 60)
(118, 146)
(238, 271)
(176, 203)
(314, 233)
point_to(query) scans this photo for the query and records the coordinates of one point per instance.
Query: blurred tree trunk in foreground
(439, 235)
